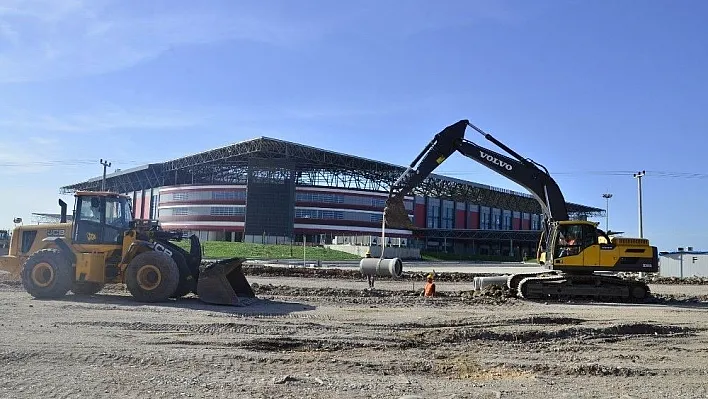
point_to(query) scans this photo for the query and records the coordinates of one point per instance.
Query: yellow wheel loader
(104, 245)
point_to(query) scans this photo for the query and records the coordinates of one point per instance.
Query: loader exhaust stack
(223, 283)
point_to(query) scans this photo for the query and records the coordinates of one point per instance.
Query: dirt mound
(677, 280)
(526, 336)
(487, 296)
(676, 299)
(351, 274)
(591, 369)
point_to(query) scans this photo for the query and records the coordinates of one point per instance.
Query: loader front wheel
(47, 274)
(152, 277)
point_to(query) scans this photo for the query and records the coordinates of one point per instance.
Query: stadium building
(274, 191)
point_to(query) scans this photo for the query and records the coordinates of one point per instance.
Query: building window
(228, 195)
(496, 219)
(180, 211)
(227, 211)
(334, 198)
(506, 221)
(153, 207)
(448, 217)
(180, 196)
(485, 218)
(319, 214)
(433, 213)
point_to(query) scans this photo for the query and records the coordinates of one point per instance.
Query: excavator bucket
(396, 214)
(223, 283)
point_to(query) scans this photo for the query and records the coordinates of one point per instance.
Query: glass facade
(344, 199)
(200, 210)
(448, 214)
(193, 195)
(506, 220)
(433, 213)
(338, 215)
(485, 218)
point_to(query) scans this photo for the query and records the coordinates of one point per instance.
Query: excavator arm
(525, 172)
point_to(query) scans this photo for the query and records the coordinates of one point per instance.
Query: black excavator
(579, 260)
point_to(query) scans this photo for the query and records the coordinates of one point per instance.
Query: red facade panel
(419, 214)
(138, 206)
(473, 220)
(516, 223)
(525, 224)
(147, 199)
(460, 219)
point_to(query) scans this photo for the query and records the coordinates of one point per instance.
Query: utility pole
(639, 176)
(105, 164)
(607, 197)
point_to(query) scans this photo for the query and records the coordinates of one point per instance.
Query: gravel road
(330, 338)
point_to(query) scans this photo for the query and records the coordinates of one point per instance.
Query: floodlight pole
(639, 176)
(607, 197)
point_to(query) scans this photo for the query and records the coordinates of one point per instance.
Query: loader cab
(101, 218)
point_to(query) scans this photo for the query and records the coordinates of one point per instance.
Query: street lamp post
(607, 197)
(639, 176)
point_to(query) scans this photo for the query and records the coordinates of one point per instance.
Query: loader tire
(86, 287)
(47, 274)
(152, 277)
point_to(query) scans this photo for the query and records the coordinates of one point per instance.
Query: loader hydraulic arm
(525, 172)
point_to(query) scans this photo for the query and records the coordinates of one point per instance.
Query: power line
(67, 162)
(649, 173)
(652, 173)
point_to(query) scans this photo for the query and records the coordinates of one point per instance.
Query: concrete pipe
(381, 267)
(480, 283)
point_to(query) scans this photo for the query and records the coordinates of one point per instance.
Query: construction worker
(369, 277)
(429, 286)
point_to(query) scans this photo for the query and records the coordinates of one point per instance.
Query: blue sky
(594, 90)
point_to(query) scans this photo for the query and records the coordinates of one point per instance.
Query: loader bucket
(223, 283)
(396, 214)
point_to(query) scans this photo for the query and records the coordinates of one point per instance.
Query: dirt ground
(310, 337)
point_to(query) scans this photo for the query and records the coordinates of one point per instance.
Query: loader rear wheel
(47, 274)
(86, 287)
(152, 277)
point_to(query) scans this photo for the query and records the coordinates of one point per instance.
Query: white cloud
(98, 119)
(52, 39)
(35, 155)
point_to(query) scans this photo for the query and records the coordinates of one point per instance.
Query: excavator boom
(529, 174)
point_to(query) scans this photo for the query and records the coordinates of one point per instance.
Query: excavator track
(592, 286)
